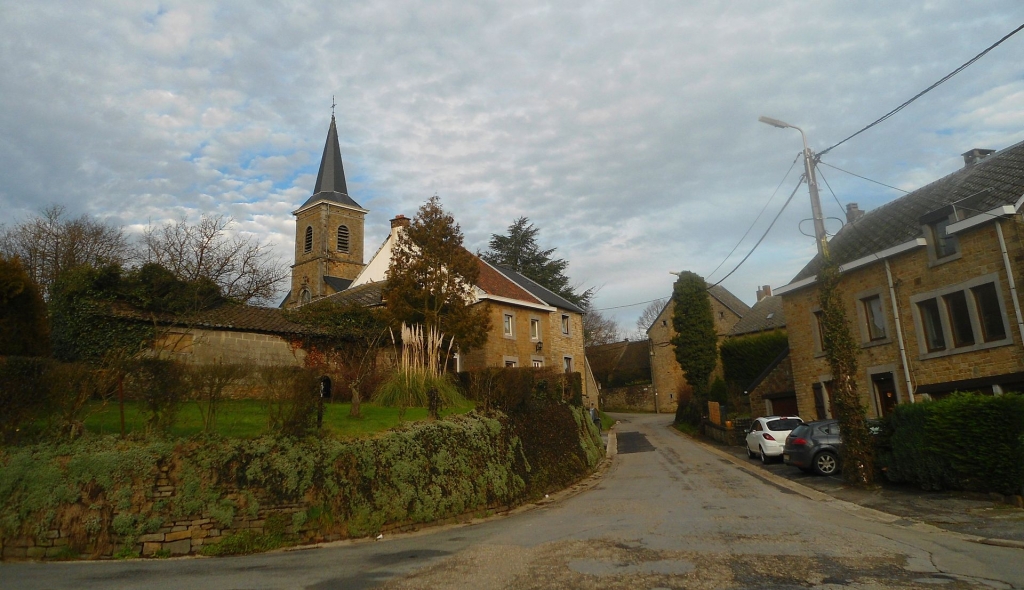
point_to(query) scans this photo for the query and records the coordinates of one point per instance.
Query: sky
(626, 132)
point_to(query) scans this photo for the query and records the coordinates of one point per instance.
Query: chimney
(853, 212)
(976, 155)
(765, 291)
(399, 221)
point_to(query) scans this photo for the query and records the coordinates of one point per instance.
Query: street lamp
(812, 185)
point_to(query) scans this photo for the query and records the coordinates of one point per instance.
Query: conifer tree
(696, 344)
(24, 330)
(519, 251)
(432, 276)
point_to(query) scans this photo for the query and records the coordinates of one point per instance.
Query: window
(932, 324)
(819, 330)
(943, 243)
(875, 318)
(534, 329)
(565, 325)
(305, 296)
(537, 363)
(308, 244)
(509, 325)
(510, 364)
(959, 319)
(568, 364)
(990, 312)
(343, 238)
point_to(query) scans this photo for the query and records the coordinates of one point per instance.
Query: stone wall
(207, 346)
(913, 274)
(635, 398)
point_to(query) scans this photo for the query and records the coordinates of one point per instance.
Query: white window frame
(534, 329)
(568, 364)
(566, 324)
(508, 325)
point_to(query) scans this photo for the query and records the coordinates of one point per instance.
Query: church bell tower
(328, 232)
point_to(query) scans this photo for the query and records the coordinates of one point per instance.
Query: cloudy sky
(627, 131)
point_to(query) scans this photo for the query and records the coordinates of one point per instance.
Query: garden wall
(102, 497)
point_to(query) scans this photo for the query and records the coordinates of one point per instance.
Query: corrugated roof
(245, 318)
(993, 182)
(337, 283)
(367, 295)
(538, 290)
(766, 314)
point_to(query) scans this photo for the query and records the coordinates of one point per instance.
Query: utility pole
(820, 238)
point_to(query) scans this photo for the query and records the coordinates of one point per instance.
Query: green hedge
(963, 442)
(506, 389)
(746, 357)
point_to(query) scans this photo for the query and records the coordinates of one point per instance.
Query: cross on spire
(333, 104)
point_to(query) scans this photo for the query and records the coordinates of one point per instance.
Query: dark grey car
(814, 446)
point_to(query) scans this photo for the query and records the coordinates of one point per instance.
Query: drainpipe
(899, 331)
(1009, 278)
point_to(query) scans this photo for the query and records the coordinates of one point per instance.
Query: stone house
(670, 387)
(530, 325)
(623, 370)
(772, 392)
(929, 283)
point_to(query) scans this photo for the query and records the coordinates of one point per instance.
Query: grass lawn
(248, 418)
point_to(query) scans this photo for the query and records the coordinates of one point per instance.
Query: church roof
(330, 180)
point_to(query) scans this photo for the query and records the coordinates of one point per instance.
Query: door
(885, 392)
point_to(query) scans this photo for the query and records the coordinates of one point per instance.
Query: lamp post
(812, 185)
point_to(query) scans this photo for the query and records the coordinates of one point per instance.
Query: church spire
(331, 178)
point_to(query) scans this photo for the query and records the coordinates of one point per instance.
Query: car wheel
(750, 454)
(764, 458)
(826, 463)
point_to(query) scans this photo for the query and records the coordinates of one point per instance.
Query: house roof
(337, 283)
(625, 360)
(330, 180)
(493, 282)
(367, 295)
(245, 318)
(993, 182)
(729, 300)
(539, 291)
(768, 370)
(766, 314)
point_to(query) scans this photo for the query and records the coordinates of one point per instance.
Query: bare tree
(648, 315)
(245, 269)
(598, 328)
(51, 244)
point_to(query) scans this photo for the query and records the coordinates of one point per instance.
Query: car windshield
(801, 430)
(783, 424)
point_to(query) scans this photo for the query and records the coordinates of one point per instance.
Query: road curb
(845, 506)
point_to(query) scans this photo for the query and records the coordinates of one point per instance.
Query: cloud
(626, 131)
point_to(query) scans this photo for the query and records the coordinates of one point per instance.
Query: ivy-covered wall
(104, 497)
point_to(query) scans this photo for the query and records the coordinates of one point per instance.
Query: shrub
(162, 386)
(506, 389)
(24, 330)
(292, 397)
(24, 395)
(744, 358)
(965, 442)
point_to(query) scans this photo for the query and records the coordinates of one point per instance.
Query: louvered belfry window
(308, 245)
(342, 238)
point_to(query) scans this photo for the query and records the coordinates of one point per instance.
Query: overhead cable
(925, 91)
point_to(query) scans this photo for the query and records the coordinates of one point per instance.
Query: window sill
(933, 262)
(873, 343)
(965, 349)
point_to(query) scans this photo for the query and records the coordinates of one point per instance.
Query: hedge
(963, 442)
(746, 357)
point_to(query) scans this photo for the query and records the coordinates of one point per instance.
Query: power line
(820, 173)
(764, 235)
(864, 177)
(626, 305)
(746, 233)
(925, 91)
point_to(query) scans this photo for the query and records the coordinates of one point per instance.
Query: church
(531, 325)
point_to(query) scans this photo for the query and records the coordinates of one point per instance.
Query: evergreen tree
(432, 276)
(519, 251)
(696, 344)
(23, 327)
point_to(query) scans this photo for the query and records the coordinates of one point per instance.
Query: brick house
(530, 325)
(670, 386)
(929, 282)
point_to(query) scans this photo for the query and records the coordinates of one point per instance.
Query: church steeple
(331, 177)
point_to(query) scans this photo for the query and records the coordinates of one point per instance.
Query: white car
(767, 436)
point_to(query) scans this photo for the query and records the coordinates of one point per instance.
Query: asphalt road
(667, 513)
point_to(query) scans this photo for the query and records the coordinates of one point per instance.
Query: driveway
(667, 513)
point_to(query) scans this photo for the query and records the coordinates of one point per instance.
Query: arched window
(308, 246)
(343, 238)
(305, 296)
